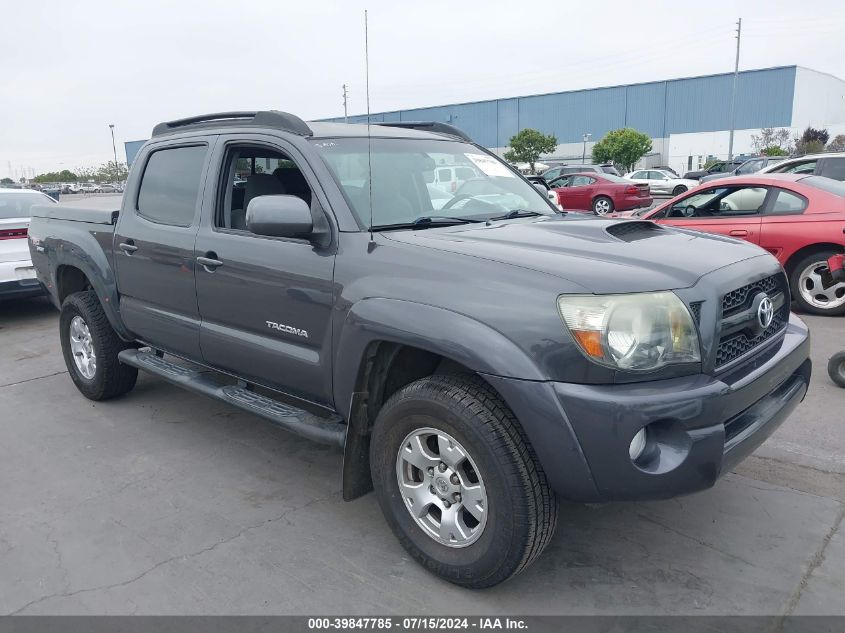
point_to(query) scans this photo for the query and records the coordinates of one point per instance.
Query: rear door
(154, 246)
(734, 210)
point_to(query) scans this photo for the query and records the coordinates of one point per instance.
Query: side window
(806, 167)
(787, 203)
(580, 181)
(170, 185)
(563, 181)
(640, 175)
(750, 167)
(655, 175)
(833, 168)
(723, 202)
(250, 172)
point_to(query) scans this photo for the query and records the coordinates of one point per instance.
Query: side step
(324, 430)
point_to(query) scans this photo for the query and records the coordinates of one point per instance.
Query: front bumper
(699, 427)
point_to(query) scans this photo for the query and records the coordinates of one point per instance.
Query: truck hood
(600, 255)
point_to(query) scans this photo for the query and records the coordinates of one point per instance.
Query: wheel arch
(386, 344)
(804, 251)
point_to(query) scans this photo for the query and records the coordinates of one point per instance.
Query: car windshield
(404, 188)
(17, 205)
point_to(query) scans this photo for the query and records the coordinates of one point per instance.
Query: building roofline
(557, 92)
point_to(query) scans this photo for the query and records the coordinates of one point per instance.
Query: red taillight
(12, 234)
(632, 189)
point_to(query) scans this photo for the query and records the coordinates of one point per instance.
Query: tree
(812, 141)
(85, 173)
(837, 144)
(527, 146)
(771, 140)
(111, 172)
(623, 147)
(56, 176)
(7, 181)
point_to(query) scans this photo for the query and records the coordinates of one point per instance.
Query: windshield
(421, 178)
(16, 205)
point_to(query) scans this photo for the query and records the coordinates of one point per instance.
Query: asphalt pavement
(165, 502)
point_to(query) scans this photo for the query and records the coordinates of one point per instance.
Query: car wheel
(458, 483)
(813, 287)
(90, 347)
(678, 190)
(836, 368)
(602, 205)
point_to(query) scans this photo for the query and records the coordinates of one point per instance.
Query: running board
(324, 430)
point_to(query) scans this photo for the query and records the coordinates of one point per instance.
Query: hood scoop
(634, 230)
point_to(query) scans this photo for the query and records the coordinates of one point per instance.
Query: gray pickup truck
(476, 353)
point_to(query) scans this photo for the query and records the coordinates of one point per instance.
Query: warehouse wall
(659, 109)
(819, 99)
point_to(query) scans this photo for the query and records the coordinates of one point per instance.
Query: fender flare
(452, 335)
(88, 257)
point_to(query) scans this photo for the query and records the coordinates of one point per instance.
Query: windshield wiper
(426, 222)
(517, 213)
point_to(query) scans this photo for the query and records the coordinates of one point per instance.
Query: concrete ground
(165, 502)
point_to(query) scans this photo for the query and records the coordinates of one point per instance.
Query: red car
(799, 219)
(599, 193)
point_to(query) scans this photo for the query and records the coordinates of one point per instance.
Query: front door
(154, 248)
(266, 307)
(734, 210)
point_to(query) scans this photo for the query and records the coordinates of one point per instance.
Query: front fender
(455, 336)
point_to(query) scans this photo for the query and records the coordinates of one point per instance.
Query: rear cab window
(170, 185)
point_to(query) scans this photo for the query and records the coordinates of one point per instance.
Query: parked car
(831, 165)
(450, 177)
(599, 193)
(90, 187)
(17, 275)
(110, 188)
(473, 361)
(563, 170)
(797, 218)
(722, 167)
(751, 166)
(661, 181)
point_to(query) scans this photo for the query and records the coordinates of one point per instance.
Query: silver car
(17, 276)
(660, 181)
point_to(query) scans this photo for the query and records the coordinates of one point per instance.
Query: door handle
(210, 262)
(128, 247)
(739, 233)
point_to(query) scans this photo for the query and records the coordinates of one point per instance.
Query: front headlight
(637, 332)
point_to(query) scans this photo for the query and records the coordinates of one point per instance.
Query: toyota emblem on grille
(765, 312)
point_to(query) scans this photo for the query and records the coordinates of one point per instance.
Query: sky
(69, 69)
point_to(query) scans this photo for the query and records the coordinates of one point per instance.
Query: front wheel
(836, 368)
(458, 483)
(678, 190)
(602, 205)
(814, 288)
(90, 347)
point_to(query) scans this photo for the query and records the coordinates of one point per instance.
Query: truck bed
(75, 214)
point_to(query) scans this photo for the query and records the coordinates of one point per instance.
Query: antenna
(369, 139)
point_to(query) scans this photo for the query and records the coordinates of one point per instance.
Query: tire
(836, 368)
(602, 205)
(807, 280)
(519, 509)
(108, 378)
(678, 190)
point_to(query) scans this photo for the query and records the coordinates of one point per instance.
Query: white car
(660, 181)
(90, 187)
(829, 165)
(17, 276)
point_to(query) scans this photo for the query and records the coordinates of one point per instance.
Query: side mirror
(279, 216)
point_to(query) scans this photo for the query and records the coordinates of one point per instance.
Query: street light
(114, 149)
(584, 151)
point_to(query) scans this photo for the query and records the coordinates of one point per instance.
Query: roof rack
(429, 126)
(266, 118)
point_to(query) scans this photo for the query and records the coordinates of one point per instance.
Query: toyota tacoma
(475, 358)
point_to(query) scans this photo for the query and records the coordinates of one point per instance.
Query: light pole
(733, 90)
(114, 149)
(584, 151)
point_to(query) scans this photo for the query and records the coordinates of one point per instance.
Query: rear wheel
(602, 205)
(458, 483)
(814, 288)
(678, 190)
(836, 368)
(90, 347)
